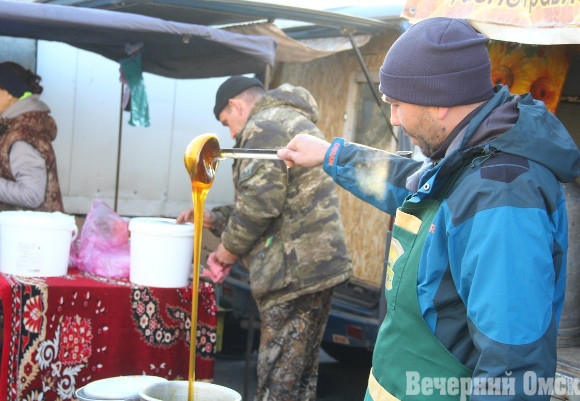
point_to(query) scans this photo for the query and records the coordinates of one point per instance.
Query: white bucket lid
(27, 218)
(160, 226)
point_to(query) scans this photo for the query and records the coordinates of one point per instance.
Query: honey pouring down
(201, 158)
(201, 163)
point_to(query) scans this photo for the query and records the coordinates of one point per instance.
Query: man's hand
(216, 272)
(225, 257)
(305, 151)
(187, 215)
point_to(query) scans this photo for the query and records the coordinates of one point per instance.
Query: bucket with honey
(177, 390)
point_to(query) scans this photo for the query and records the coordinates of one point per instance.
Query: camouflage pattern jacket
(38, 129)
(285, 223)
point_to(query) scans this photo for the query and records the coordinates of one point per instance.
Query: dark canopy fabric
(170, 49)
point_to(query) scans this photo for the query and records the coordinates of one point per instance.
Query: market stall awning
(235, 12)
(529, 22)
(170, 49)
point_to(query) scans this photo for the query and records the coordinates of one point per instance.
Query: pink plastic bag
(103, 246)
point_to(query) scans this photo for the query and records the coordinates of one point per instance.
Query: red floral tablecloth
(60, 333)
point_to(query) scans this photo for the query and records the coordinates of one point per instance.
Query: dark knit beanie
(230, 88)
(438, 62)
(12, 83)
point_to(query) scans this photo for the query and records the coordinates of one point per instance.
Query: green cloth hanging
(133, 74)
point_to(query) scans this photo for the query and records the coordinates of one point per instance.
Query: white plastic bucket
(36, 244)
(161, 252)
(178, 391)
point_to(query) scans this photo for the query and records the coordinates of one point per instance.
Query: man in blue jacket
(475, 275)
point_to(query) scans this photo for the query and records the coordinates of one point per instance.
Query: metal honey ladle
(201, 159)
(203, 154)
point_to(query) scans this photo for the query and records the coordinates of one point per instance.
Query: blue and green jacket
(492, 274)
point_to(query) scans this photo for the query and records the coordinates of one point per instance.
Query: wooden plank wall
(328, 81)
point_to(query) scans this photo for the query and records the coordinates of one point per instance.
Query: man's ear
(236, 105)
(442, 112)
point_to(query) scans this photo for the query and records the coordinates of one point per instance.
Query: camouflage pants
(290, 338)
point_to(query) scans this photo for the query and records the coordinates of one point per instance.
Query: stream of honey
(201, 163)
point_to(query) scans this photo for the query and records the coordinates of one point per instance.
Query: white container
(161, 252)
(36, 244)
(178, 391)
(119, 388)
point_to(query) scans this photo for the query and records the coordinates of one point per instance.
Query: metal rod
(242, 153)
(119, 143)
(370, 81)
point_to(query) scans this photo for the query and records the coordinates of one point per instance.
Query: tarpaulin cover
(170, 49)
(552, 22)
(294, 51)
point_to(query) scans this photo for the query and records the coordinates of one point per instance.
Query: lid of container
(160, 226)
(119, 387)
(29, 218)
(81, 396)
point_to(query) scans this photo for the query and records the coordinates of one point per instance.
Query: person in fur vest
(28, 173)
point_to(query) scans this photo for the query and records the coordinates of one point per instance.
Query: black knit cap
(438, 62)
(230, 88)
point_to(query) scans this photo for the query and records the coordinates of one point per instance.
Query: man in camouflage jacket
(286, 227)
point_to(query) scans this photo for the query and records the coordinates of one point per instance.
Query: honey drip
(201, 161)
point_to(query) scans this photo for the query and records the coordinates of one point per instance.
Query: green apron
(408, 359)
